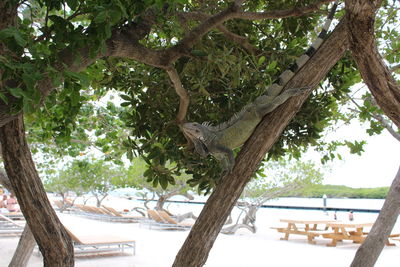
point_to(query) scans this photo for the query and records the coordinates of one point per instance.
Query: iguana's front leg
(201, 148)
(225, 156)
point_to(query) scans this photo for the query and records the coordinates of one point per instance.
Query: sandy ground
(157, 248)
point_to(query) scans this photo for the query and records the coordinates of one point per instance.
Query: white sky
(376, 167)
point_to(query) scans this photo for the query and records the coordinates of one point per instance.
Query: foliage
(281, 174)
(96, 132)
(220, 75)
(135, 177)
(65, 182)
(341, 191)
(96, 177)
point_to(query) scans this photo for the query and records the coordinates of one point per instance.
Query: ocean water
(344, 203)
(348, 203)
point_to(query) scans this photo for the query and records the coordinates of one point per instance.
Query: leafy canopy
(220, 75)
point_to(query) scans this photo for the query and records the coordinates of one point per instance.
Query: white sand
(157, 248)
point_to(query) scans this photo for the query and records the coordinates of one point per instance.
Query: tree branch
(375, 73)
(240, 40)
(385, 123)
(124, 43)
(395, 68)
(182, 93)
(285, 13)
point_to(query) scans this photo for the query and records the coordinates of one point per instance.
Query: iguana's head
(195, 130)
(198, 134)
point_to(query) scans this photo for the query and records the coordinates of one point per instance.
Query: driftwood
(250, 209)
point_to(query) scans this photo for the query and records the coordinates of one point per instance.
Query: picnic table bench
(350, 231)
(304, 227)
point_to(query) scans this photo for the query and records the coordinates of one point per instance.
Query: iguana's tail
(284, 78)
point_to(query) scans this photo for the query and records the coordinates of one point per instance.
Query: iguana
(219, 140)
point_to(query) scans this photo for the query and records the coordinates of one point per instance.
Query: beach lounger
(162, 220)
(118, 214)
(104, 213)
(100, 243)
(9, 227)
(170, 220)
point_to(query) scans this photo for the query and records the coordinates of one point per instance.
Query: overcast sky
(377, 166)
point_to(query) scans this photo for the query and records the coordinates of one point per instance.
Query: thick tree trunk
(194, 251)
(369, 251)
(24, 249)
(53, 240)
(375, 73)
(377, 76)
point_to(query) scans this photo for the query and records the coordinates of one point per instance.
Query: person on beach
(12, 204)
(351, 216)
(3, 204)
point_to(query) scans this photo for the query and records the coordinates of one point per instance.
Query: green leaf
(129, 154)
(115, 16)
(125, 97)
(18, 92)
(155, 182)
(3, 97)
(73, 4)
(148, 173)
(80, 76)
(261, 60)
(12, 32)
(125, 104)
(163, 183)
(101, 17)
(272, 65)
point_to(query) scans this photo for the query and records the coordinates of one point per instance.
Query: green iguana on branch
(219, 140)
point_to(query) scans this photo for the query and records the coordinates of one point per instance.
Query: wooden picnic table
(303, 227)
(348, 231)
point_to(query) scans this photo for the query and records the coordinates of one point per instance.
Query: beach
(158, 248)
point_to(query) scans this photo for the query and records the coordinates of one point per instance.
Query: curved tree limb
(181, 92)
(240, 40)
(374, 71)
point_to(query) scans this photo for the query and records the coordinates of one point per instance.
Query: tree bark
(368, 253)
(24, 249)
(375, 73)
(194, 251)
(49, 233)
